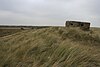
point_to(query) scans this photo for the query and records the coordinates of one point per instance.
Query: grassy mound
(51, 47)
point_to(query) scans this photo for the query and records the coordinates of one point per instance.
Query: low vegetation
(5, 32)
(51, 47)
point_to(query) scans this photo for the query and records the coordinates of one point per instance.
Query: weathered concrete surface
(81, 25)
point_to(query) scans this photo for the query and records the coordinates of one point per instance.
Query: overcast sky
(49, 12)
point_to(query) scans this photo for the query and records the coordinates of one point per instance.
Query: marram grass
(50, 47)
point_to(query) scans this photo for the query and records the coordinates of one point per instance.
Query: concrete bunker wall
(81, 25)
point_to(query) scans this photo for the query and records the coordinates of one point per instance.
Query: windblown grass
(50, 47)
(5, 32)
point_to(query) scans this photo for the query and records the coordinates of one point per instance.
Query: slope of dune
(51, 47)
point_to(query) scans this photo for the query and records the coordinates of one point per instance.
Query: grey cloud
(48, 12)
